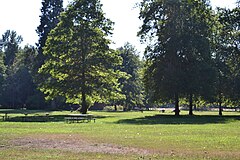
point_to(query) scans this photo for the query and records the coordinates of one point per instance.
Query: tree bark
(190, 104)
(177, 111)
(83, 72)
(84, 102)
(220, 105)
(84, 107)
(220, 108)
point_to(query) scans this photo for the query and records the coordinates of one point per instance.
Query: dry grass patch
(74, 143)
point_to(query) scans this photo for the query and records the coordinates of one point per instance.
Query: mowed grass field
(122, 135)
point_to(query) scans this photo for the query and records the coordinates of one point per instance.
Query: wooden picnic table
(79, 118)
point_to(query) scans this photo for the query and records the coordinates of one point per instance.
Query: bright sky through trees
(23, 17)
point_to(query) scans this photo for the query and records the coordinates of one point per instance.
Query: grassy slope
(184, 137)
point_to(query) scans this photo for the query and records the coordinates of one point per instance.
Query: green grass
(203, 136)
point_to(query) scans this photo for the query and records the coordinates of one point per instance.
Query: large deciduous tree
(79, 60)
(178, 54)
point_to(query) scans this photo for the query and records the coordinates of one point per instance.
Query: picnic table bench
(71, 118)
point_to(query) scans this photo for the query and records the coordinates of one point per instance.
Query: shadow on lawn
(36, 118)
(41, 118)
(21, 115)
(184, 119)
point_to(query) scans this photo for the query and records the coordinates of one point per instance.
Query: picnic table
(71, 118)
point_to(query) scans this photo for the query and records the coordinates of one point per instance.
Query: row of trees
(72, 63)
(20, 81)
(16, 70)
(80, 65)
(192, 54)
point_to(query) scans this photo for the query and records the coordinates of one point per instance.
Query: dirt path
(74, 143)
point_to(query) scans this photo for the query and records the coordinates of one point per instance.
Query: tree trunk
(84, 107)
(84, 102)
(115, 107)
(190, 104)
(220, 105)
(220, 108)
(177, 111)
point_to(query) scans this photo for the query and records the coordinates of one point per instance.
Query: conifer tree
(49, 19)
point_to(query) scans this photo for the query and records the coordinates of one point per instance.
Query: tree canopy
(132, 86)
(227, 56)
(178, 53)
(49, 19)
(79, 60)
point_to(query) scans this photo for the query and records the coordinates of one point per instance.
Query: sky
(22, 16)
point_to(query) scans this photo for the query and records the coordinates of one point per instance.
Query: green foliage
(132, 86)
(2, 66)
(49, 19)
(2, 74)
(18, 87)
(11, 49)
(178, 56)
(11, 43)
(228, 55)
(79, 60)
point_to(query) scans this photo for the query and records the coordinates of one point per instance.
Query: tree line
(192, 55)
(193, 52)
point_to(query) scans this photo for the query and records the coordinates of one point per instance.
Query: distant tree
(2, 74)
(132, 86)
(81, 67)
(11, 42)
(49, 19)
(18, 85)
(178, 54)
(34, 98)
(2, 66)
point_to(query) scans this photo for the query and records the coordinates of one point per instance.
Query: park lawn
(147, 135)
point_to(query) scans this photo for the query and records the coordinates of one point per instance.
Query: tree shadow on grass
(41, 118)
(21, 111)
(184, 119)
(36, 118)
